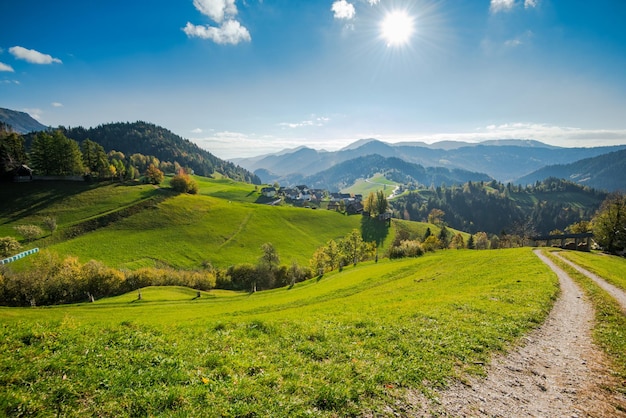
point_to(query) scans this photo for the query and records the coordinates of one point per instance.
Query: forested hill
(493, 207)
(603, 172)
(149, 139)
(347, 173)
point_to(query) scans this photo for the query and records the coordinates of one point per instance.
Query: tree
(382, 204)
(50, 223)
(609, 224)
(457, 242)
(9, 246)
(579, 227)
(435, 216)
(369, 204)
(56, 155)
(269, 258)
(444, 237)
(481, 241)
(332, 253)
(353, 248)
(95, 159)
(470, 243)
(154, 175)
(12, 152)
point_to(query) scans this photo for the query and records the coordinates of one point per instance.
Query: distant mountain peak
(20, 122)
(361, 142)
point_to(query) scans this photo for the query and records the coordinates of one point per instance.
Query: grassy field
(221, 225)
(373, 184)
(349, 343)
(609, 267)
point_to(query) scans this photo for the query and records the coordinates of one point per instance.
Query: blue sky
(247, 77)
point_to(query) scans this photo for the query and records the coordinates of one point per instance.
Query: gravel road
(558, 372)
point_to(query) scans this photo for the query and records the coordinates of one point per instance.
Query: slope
(604, 172)
(20, 122)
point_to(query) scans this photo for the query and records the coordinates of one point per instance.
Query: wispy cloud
(32, 56)
(6, 67)
(520, 40)
(529, 4)
(497, 6)
(230, 31)
(56, 104)
(373, 2)
(343, 10)
(314, 121)
(196, 131)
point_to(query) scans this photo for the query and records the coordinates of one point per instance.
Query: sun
(397, 28)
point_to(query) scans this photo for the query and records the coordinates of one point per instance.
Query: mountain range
(512, 161)
(518, 161)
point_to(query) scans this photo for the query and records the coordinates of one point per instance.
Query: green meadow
(348, 343)
(610, 267)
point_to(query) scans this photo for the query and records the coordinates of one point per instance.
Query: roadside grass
(184, 231)
(610, 322)
(610, 267)
(346, 344)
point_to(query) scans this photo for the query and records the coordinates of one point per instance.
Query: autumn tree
(609, 224)
(154, 175)
(435, 216)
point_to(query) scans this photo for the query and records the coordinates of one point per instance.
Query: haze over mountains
(502, 160)
(519, 161)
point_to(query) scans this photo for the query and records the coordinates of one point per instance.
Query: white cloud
(196, 131)
(32, 56)
(7, 68)
(11, 82)
(528, 4)
(373, 2)
(222, 12)
(343, 10)
(230, 32)
(56, 104)
(501, 5)
(216, 9)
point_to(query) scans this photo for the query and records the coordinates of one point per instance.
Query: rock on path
(557, 373)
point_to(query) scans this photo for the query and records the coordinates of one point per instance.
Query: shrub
(183, 183)
(29, 232)
(9, 246)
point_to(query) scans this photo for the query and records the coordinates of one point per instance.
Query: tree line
(108, 150)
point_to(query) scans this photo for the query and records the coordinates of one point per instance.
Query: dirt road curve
(557, 373)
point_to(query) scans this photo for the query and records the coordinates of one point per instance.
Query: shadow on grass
(374, 230)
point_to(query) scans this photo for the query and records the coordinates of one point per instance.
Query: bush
(29, 232)
(182, 183)
(9, 246)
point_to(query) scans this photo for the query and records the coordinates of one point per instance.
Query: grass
(610, 327)
(186, 230)
(373, 184)
(349, 343)
(611, 268)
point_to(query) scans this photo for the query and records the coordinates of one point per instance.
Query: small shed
(22, 173)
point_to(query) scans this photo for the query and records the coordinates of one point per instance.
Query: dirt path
(614, 291)
(557, 373)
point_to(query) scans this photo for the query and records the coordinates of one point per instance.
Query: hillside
(504, 161)
(605, 172)
(353, 343)
(149, 139)
(347, 173)
(20, 122)
(133, 226)
(495, 208)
